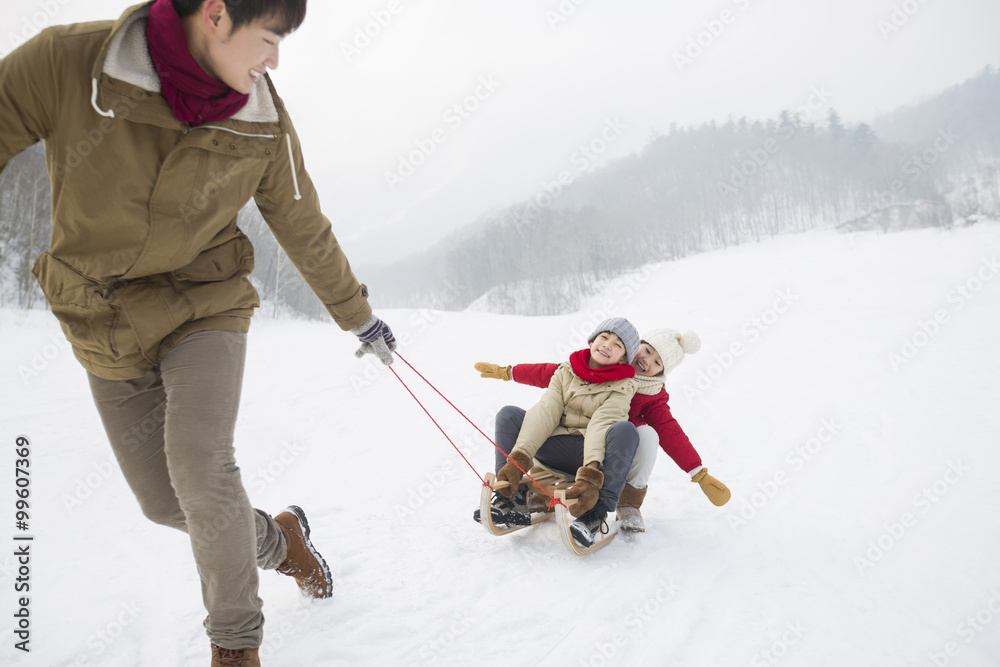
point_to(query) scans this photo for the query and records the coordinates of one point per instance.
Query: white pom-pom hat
(672, 346)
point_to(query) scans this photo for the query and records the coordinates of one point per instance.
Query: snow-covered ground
(846, 391)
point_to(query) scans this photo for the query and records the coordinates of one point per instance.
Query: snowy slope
(861, 532)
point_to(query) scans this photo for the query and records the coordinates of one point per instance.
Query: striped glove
(376, 338)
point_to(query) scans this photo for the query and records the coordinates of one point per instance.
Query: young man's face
(647, 361)
(239, 59)
(607, 350)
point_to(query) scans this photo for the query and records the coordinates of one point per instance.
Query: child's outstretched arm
(536, 375)
(673, 440)
(678, 446)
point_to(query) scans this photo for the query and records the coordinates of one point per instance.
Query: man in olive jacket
(147, 270)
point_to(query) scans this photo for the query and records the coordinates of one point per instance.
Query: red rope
(552, 502)
(438, 425)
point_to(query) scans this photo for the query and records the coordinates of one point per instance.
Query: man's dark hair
(288, 14)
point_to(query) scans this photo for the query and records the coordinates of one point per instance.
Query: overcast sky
(417, 116)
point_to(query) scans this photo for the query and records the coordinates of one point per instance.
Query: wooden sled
(556, 486)
(564, 519)
(545, 479)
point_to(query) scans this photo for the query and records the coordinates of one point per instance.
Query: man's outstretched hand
(376, 338)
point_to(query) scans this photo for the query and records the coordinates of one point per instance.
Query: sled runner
(556, 486)
(543, 477)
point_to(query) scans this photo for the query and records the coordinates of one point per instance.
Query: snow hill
(846, 391)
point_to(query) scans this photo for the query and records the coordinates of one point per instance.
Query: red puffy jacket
(652, 410)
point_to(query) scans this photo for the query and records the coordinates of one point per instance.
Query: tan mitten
(487, 370)
(716, 491)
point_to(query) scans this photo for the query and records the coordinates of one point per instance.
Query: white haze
(559, 72)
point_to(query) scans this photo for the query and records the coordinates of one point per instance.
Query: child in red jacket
(660, 352)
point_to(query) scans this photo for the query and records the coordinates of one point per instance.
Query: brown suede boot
(229, 657)
(629, 516)
(302, 561)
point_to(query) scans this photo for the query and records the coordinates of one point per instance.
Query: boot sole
(300, 516)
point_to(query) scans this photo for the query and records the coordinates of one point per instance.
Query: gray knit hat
(624, 330)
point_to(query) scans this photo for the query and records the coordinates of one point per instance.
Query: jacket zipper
(226, 129)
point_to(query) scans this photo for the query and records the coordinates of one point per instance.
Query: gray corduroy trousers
(172, 433)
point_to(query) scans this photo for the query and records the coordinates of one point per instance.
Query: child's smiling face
(607, 350)
(647, 361)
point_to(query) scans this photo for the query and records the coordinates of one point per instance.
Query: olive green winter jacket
(145, 249)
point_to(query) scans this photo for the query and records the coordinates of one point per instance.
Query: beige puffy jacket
(573, 406)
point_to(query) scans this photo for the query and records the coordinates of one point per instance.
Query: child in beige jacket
(580, 424)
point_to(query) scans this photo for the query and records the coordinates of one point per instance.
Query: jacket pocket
(88, 320)
(153, 310)
(219, 263)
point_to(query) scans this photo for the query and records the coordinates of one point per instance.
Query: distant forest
(716, 185)
(689, 190)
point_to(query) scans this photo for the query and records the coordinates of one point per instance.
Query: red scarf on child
(194, 96)
(580, 360)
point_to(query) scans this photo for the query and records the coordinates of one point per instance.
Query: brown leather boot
(229, 657)
(302, 561)
(629, 516)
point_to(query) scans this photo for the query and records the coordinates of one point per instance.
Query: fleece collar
(580, 359)
(126, 58)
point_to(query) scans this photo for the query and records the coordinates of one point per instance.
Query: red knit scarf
(580, 360)
(194, 96)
